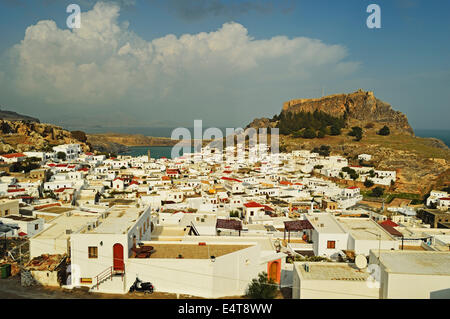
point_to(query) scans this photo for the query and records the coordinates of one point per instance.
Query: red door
(118, 263)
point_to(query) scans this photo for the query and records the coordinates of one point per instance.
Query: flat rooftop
(363, 228)
(193, 251)
(118, 220)
(20, 218)
(59, 225)
(168, 231)
(55, 210)
(331, 271)
(416, 262)
(325, 223)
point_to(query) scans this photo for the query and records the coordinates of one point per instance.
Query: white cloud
(103, 65)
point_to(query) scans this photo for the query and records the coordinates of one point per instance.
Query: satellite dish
(361, 261)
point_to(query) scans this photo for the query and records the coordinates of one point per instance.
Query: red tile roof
(253, 205)
(62, 189)
(16, 190)
(13, 155)
(389, 222)
(231, 179)
(391, 230)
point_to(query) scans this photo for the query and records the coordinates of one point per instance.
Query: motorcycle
(145, 287)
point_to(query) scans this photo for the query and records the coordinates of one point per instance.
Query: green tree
(335, 130)
(323, 150)
(368, 183)
(321, 134)
(377, 192)
(262, 287)
(385, 131)
(357, 132)
(61, 156)
(309, 133)
(234, 214)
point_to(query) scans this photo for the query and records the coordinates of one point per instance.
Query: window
(331, 244)
(36, 227)
(6, 212)
(93, 252)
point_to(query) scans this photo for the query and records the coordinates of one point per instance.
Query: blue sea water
(443, 135)
(165, 151)
(155, 151)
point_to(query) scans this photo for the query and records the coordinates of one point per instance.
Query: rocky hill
(13, 116)
(421, 163)
(22, 136)
(359, 108)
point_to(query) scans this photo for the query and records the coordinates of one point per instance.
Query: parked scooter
(145, 287)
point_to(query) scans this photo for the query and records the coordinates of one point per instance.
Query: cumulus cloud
(106, 71)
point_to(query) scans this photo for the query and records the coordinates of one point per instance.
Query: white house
(72, 151)
(317, 280)
(28, 226)
(12, 157)
(409, 274)
(366, 234)
(365, 157)
(253, 210)
(328, 236)
(106, 248)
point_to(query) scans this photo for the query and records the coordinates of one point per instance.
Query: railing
(104, 275)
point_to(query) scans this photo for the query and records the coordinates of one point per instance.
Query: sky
(166, 63)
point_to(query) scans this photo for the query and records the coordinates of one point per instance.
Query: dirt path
(10, 288)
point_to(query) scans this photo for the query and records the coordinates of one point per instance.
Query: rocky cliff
(22, 136)
(360, 108)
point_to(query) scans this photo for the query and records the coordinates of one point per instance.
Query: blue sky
(406, 62)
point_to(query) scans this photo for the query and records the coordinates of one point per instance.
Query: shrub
(323, 150)
(262, 288)
(384, 131)
(291, 122)
(368, 183)
(357, 132)
(309, 133)
(377, 192)
(335, 130)
(234, 214)
(61, 156)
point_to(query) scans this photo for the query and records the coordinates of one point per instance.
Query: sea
(165, 151)
(443, 135)
(155, 151)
